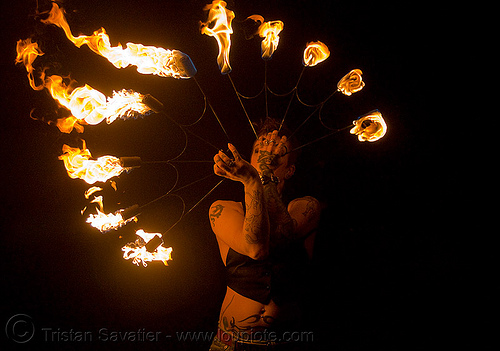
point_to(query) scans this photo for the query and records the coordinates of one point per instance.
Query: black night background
(386, 268)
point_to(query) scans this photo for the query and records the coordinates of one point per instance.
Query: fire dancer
(264, 244)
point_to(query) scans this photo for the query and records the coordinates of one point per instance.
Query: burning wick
(351, 83)
(106, 222)
(314, 53)
(370, 127)
(79, 165)
(154, 104)
(148, 247)
(130, 162)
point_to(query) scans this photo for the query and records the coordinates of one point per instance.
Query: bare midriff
(239, 314)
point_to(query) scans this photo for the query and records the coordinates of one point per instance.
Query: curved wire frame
(293, 93)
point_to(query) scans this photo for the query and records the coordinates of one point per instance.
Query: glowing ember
(269, 31)
(79, 165)
(218, 25)
(351, 83)
(315, 53)
(106, 222)
(87, 105)
(138, 252)
(148, 59)
(370, 127)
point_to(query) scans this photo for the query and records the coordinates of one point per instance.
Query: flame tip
(221, 18)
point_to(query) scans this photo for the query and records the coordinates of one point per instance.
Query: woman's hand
(271, 148)
(238, 169)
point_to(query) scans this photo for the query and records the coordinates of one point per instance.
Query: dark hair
(269, 125)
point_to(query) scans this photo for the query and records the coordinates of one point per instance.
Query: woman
(264, 244)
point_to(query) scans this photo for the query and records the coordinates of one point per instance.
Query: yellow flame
(269, 31)
(148, 59)
(27, 52)
(218, 25)
(138, 253)
(90, 106)
(79, 165)
(370, 127)
(314, 53)
(67, 124)
(351, 83)
(87, 105)
(106, 222)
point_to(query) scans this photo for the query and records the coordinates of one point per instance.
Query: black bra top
(276, 277)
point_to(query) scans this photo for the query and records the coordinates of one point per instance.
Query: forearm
(256, 222)
(283, 226)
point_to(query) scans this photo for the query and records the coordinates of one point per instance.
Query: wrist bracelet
(265, 179)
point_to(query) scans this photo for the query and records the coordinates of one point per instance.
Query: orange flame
(87, 105)
(148, 59)
(106, 222)
(79, 165)
(351, 83)
(220, 18)
(315, 53)
(67, 124)
(138, 252)
(370, 127)
(27, 52)
(269, 31)
(90, 106)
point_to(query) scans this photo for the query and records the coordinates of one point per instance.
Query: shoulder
(223, 208)
(219, 205)
(307, 202)
(306, 212)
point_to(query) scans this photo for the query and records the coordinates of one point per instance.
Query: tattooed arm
(246, 232)
(302, 215)
(299, 218)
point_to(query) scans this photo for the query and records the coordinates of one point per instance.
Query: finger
(218, 159)
(282, 140)
(272, 141)
(224, 158)
(262, 141)
(219, 162)
(222, 154)
(282, 149)
(269, 141)
(235, 152)
(219, 171)
(274, 137)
